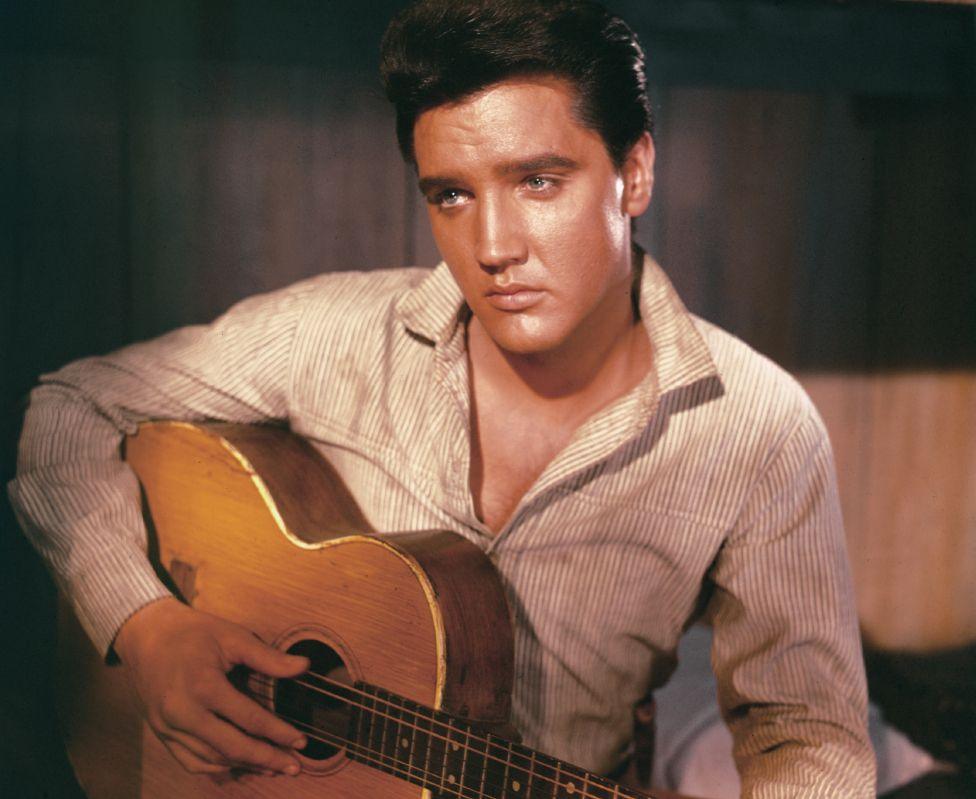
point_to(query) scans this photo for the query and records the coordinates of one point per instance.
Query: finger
(199, 748)
(178, 721)
(242, 749)
(190, 760)
(252, 718)
(251, 651)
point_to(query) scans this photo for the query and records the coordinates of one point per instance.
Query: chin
(524, 336)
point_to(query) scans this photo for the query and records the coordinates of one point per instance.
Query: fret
(384, 724)
(601, 788)
(465, 749)
(424, 725)
(454, 759)
(398, 747)
(571, 782)
(382, 720)
(495, 769)
(484, 770)
(377, 730)
(517, 777)
(428, 741)
(545, 780)
(412, 768)
(438, 754)
(474, 772)
(364, 729)
(531, 790)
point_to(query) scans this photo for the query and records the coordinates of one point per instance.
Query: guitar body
(252, 525)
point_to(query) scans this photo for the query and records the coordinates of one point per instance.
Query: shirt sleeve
(786, 649)
(79, 503)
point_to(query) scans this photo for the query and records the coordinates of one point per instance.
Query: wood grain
(290, 566)
(905, 446)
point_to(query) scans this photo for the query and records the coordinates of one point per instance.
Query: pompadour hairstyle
(442, 51)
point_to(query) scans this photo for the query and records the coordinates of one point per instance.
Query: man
(543, 393)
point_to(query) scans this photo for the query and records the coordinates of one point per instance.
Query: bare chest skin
(516, 432)
(512, 443)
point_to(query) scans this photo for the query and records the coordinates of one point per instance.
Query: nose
(500, 236)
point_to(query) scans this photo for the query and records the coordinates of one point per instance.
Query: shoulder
(342, 289)
(763, 413)
(352, 316)
(754, 384)
(363, 291)
(348, 301)
(317, 304)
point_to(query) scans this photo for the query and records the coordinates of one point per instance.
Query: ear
(638, 175)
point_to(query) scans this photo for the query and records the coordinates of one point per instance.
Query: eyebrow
(535, 163)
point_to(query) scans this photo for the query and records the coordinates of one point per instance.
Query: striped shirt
(707, 491)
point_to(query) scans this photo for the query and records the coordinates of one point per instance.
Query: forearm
(786, 649)
(78, 502)
(79, 505)
(806, 760)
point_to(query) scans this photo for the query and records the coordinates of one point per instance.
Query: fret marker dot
(450, 778)
(516, 785)
(455, 746)
(404, 743)
(570, 788)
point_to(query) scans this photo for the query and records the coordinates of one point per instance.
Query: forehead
(510, 120)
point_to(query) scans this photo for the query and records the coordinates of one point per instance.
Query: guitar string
(325, 736)
(419, 712)
(565, 768)
(541, 779)
(364, 754)
(430, 733)
(470, 736)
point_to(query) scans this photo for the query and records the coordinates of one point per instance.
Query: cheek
(449, 236)
(455, 243)
(584, 224)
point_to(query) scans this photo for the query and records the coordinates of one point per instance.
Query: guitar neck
(454, 758)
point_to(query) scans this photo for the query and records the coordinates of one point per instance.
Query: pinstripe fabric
(708, 489)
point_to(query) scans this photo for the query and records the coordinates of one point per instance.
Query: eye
(540, 184)
(448, 198)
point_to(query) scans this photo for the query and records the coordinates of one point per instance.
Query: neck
(609, 354)
(451, 757)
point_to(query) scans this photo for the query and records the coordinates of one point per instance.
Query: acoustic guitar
(409, 636)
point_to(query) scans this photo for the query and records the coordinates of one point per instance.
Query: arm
(80, 504)
(786, 650)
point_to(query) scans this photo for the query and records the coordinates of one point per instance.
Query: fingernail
(292, 770)
(299, 743)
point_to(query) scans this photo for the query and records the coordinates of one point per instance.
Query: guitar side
(252, 525)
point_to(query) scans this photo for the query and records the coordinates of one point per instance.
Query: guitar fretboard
(453, 758)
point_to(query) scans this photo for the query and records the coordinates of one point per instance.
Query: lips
(513, 296)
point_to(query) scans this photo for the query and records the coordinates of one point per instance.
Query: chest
(509, 452)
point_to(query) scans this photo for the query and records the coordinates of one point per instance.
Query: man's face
(530, 213)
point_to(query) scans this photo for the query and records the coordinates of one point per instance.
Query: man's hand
(178, 659)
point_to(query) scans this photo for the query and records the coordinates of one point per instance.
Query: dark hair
(442, 51)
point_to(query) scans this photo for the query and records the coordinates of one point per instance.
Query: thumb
(257, 655)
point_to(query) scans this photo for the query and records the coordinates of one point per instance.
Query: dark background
(816, 195)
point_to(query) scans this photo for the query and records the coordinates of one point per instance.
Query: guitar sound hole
(307, 702)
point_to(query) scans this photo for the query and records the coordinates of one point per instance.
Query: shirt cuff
(106, 594)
